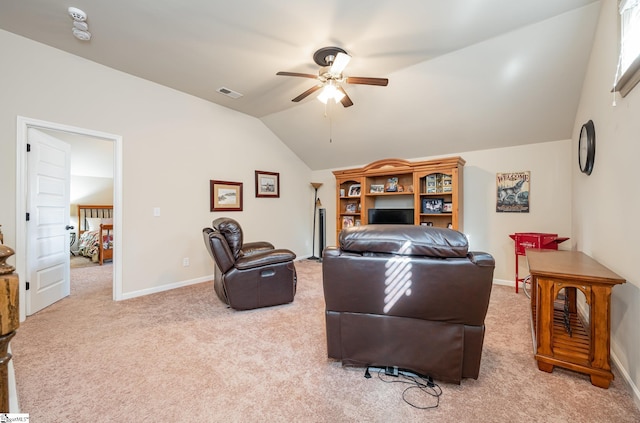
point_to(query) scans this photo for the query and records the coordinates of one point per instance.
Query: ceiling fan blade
(306, 93)
(346, 101)
(340, 62)
(367, 81)
(303, 75)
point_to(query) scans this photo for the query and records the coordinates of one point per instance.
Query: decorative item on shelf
(5, 253)
(376, 188)
(432, 205)
(354, 190)
(426, 223)
(447, 207)
(392, 184)
(400, 188)
(431, 183)
(449, 225)
(316, 203)
(446, 183)
(357, 222)
(342, 192)
(410, 188)
(351, 207)
(347, 222)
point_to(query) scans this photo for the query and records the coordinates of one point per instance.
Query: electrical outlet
(185, 261)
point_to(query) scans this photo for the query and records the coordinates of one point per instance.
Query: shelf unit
(398, 181)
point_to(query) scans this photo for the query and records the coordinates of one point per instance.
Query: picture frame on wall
(225, 195)
(267, 184)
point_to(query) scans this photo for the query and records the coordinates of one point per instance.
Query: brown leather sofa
(407, 296)
(249, 275)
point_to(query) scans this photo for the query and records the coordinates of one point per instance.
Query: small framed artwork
(225, 196)
(392, 184)
(351, 208)
(267, 184)
(347, 222)
(376, 188)
(447, 207)
(354, 190)
(432, 205)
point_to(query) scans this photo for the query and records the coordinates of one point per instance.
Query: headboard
(92, 211)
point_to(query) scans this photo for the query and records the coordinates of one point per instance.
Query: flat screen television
(391, 216)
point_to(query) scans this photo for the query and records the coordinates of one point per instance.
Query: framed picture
(392, 184)
(513, 192)
(432, 205)
(347, 222)
(354, 190)
(376, 188)
(351, 208)
(447, 207)
(226, 196)
(267, 184)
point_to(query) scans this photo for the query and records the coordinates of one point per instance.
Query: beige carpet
(181, 356)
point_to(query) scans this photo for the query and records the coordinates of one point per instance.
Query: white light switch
(156, 211)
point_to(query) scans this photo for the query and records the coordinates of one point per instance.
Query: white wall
(550, 165)
(606, 203)
(173, 144)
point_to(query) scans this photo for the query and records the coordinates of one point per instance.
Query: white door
(49, 169)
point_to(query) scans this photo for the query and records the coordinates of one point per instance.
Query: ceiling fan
(333, 61)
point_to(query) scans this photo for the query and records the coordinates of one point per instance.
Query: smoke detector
(81, 35)
(77, 14)
(81, 25)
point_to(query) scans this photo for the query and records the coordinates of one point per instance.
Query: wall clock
(587, 147)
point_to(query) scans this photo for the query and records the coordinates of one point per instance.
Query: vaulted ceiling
(463, 75)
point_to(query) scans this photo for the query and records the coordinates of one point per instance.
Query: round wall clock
(587, 147)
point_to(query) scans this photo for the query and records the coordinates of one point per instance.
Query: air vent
(229, 93)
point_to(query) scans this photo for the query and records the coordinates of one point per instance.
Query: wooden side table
(562, 336)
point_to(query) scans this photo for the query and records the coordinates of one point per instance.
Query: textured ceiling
(463, 74)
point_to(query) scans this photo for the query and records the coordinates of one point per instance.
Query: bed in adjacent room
(95, 232)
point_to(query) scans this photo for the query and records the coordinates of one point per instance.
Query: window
(628, 72)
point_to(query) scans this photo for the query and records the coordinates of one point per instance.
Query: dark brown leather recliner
(250, 275)
(408, 296)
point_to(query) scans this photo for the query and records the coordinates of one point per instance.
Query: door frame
(22, 126)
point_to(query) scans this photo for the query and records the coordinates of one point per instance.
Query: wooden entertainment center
(562, 335)
(432, 189)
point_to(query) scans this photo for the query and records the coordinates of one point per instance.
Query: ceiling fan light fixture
(329, 91)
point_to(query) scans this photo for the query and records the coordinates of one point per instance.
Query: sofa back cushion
(231, 231)
(406, 240)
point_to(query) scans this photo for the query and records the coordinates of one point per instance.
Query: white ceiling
(463, 74)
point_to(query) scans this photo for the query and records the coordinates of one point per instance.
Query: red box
(526, 240)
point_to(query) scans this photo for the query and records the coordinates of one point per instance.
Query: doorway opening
(22, 193)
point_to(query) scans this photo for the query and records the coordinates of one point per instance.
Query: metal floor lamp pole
(315, 186)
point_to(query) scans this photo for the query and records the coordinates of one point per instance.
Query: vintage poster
(513, 192)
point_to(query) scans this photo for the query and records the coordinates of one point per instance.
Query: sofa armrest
(480, 258)
(253, 247)
(264, 258)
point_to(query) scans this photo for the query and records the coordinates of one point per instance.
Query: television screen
(391, 216)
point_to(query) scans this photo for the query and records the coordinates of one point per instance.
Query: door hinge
(28, 147)
(27, 286)
(28, 217)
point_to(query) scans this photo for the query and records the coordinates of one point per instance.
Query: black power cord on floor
(424, 384)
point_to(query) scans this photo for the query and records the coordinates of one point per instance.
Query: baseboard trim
(167, 287)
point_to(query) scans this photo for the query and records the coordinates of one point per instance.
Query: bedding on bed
(89, 244)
